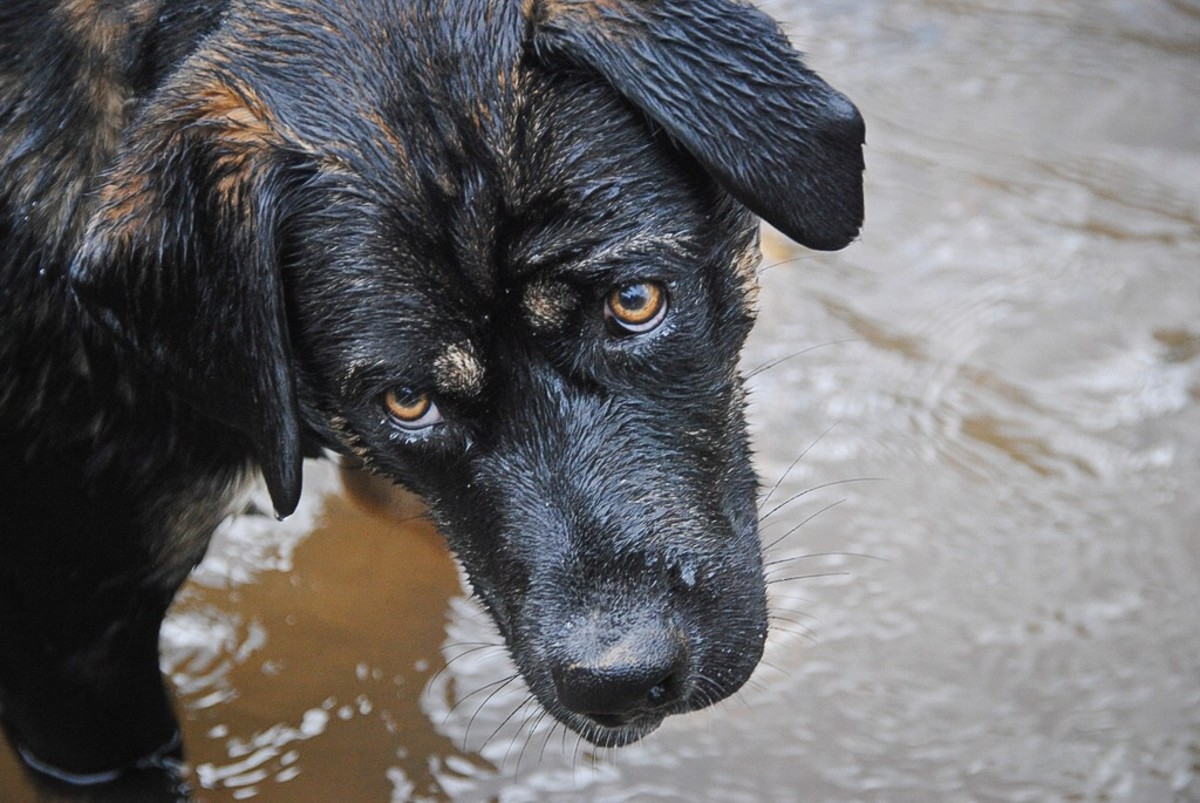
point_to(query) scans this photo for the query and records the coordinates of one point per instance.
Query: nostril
(660, 693)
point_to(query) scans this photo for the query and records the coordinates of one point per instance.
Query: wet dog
(500, 251)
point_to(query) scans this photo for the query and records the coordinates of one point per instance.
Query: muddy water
(1007, 365)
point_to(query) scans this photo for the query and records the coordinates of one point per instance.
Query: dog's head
(504, 254)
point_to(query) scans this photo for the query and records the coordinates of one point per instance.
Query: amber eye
(635, 307)
(411, 409)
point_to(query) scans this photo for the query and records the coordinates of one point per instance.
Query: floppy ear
(723, 81)
(179, 261)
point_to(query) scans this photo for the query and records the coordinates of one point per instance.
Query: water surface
(1006, 367)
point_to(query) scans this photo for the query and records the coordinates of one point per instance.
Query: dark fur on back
(236, 232)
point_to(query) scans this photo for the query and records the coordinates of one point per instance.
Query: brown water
(1013, 348)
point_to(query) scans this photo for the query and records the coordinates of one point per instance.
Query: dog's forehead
(498, 191)
(473, 271)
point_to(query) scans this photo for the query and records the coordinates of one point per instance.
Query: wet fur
(230, 228)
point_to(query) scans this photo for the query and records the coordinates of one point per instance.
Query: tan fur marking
(350, 439)
(481, 115)
(49, 183)
(389, 136)
(547, 304)
(745, 265)
(235, 172)
(238, 114)
(125, 200)
(457, 371)
(244, 128)
(231, 118)
(105, 34)
(102, 27)
(599, 15)
(335, 164)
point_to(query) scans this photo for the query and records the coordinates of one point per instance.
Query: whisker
(814, 576)
(804, 493)
(753, 686)
(483, 705)
(795, 632)
(769, 665)
(537, 722)
(706, 697)
(740, 699)
(781, 263)
(808, 616)
(513, 741)
(797, 628)
(480, 690)
(791, 598)
(767, 366)
(796, 462)
(480, 645)
(811, 555)
(426, 516)
(575, 754)
(458, 644)
(549, 733)
(503, 722)
(777, 541)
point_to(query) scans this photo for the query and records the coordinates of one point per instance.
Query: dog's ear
(721, 78)
(180, 261)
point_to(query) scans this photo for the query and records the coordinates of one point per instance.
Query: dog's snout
(645, 670)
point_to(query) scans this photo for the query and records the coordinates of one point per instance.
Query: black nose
(613, 681)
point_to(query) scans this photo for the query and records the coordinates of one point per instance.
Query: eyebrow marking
(458, 371)
(359, 371)
(546, 304)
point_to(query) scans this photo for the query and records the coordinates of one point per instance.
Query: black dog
(500, 251)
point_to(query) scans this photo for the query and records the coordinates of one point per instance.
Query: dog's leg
(84, 587)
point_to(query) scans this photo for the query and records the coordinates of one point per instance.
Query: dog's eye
(411, 409)
(635, 307)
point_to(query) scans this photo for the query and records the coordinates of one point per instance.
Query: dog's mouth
(608, 730)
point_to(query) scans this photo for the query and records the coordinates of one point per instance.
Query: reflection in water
(1014, 344)
(276, 695)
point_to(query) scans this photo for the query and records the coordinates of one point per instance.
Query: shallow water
(1008, 360)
